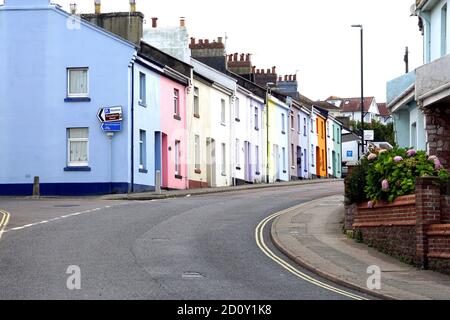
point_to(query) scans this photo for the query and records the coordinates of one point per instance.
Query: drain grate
(192, 275)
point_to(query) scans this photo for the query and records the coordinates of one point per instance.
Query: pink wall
(176, 131)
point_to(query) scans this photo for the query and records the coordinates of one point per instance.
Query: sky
(311, 38)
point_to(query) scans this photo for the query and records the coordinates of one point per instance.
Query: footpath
(311, 235)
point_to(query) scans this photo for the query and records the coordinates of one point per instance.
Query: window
(283, 123)
(177, 159)
(176, 102)
(78, 147)
(224, 159)
(222, 112)
(329, 158)
(334, 137)
(236, 106)
(142, 150)
(304, 126)
(312, 125)
(299, 125)
(78, 82)
(414, 135)
(257, 159)
(293, 154)
(444, 30)
(312, 155)
(338, 138)
(196, 102)
(328, 129)
(197, 152)
(305, 165)
(142, 89)
(283, 150)
(238, 158)
(256, 118)
(317, 126)
(322, 130)
(323, 160)
(292, 122)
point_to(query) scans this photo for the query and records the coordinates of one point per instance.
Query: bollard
(158, 182)
(36, 191)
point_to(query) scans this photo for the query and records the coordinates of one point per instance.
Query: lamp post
(362, 89)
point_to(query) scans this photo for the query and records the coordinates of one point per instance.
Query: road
(190, 248)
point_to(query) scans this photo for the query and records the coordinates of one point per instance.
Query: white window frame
(142, 150)
(224, 159)
(77, 95)
(257, 159)
(142, 90)
(177, 158)
(238, 156)
(283, 123)
(236, 108)
(256, 116)
(223, 112)
(176, 102)
(196, 101)
(197, 152)
(75, 164)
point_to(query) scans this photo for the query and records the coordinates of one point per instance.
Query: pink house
(173, 135)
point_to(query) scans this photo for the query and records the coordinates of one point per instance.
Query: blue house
(56, 72)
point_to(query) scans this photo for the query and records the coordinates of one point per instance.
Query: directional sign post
(112, 126)
(110, 114)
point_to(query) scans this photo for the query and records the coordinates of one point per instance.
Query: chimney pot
(182, 22)
(200, 41)
(73, 8)
(235, 57)
(220, 39)
(268, 71)
(242, 56)
(98, 7)
(280, 78)
(295, 77)
(132, 5)
(206, 41)
(154, 22)
(274, 70)
(230, 58)
(285, 78)
(192, 41)
(247, 57)
(253, 69)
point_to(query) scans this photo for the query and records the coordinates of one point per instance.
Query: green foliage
(401, 175)
(355, 183)
(382, 132)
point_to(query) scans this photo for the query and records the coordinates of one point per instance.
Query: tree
(383, 133)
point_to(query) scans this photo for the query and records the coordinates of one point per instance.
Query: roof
(354, 104)
(382, 108)
(325, 105)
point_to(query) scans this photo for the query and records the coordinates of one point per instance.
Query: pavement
(168, 194)
(311, 235)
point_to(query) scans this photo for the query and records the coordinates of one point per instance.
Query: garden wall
(414, 229)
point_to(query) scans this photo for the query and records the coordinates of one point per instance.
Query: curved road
(189, 248)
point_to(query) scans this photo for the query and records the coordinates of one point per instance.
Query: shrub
(393, 173)
(355, 183)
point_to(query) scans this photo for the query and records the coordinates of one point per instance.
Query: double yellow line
(3, 222)
(259, 234)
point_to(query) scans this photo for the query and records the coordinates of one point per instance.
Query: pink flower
(437, 165)
(372, 157)
(411, 153)
(433, 158)
(370, 205)
(385, 185)
(398, 159)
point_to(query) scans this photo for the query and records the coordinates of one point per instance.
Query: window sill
(178, 177)
(198, 171)
(80, 99)
(196, 116)
(224, 174)
(143, 104)
(223, 124)
(177, 117)
(143, 171)
(77, 169)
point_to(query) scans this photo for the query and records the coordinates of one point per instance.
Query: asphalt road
(189, 248)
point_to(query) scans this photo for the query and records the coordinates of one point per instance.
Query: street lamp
(362, 89)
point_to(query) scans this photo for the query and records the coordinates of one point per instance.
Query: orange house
(321, 153)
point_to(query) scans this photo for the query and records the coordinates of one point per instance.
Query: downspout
(267, 137)
(131, 189)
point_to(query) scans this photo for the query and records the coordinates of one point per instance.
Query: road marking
(3, 222)
(259, 235)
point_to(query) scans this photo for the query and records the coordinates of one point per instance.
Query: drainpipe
(131, 189)
(267, 136)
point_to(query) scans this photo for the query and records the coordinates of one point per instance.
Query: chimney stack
(154, 22)
(98, 6)
(73, 8)
(182, 22)
(132, 5)
(274, 70)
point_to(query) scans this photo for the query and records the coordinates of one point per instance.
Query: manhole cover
(192, 275)
(66, 206)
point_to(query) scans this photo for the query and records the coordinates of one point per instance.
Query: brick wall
(415, 229)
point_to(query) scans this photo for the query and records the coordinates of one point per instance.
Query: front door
(318, 161)
(211, 162)
(165, 161)
(299, 162)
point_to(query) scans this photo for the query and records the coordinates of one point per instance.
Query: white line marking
(259, 235)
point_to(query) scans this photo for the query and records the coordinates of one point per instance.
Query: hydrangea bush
(392, 174)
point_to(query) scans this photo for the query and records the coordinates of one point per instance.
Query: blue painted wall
(37, 47)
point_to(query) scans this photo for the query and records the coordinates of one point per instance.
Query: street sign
(110, 114)
(369, 135)
(349, 153)
(112, 126)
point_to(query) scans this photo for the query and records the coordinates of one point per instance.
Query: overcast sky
(313, 37)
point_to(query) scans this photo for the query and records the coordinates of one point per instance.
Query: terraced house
(419, 99)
